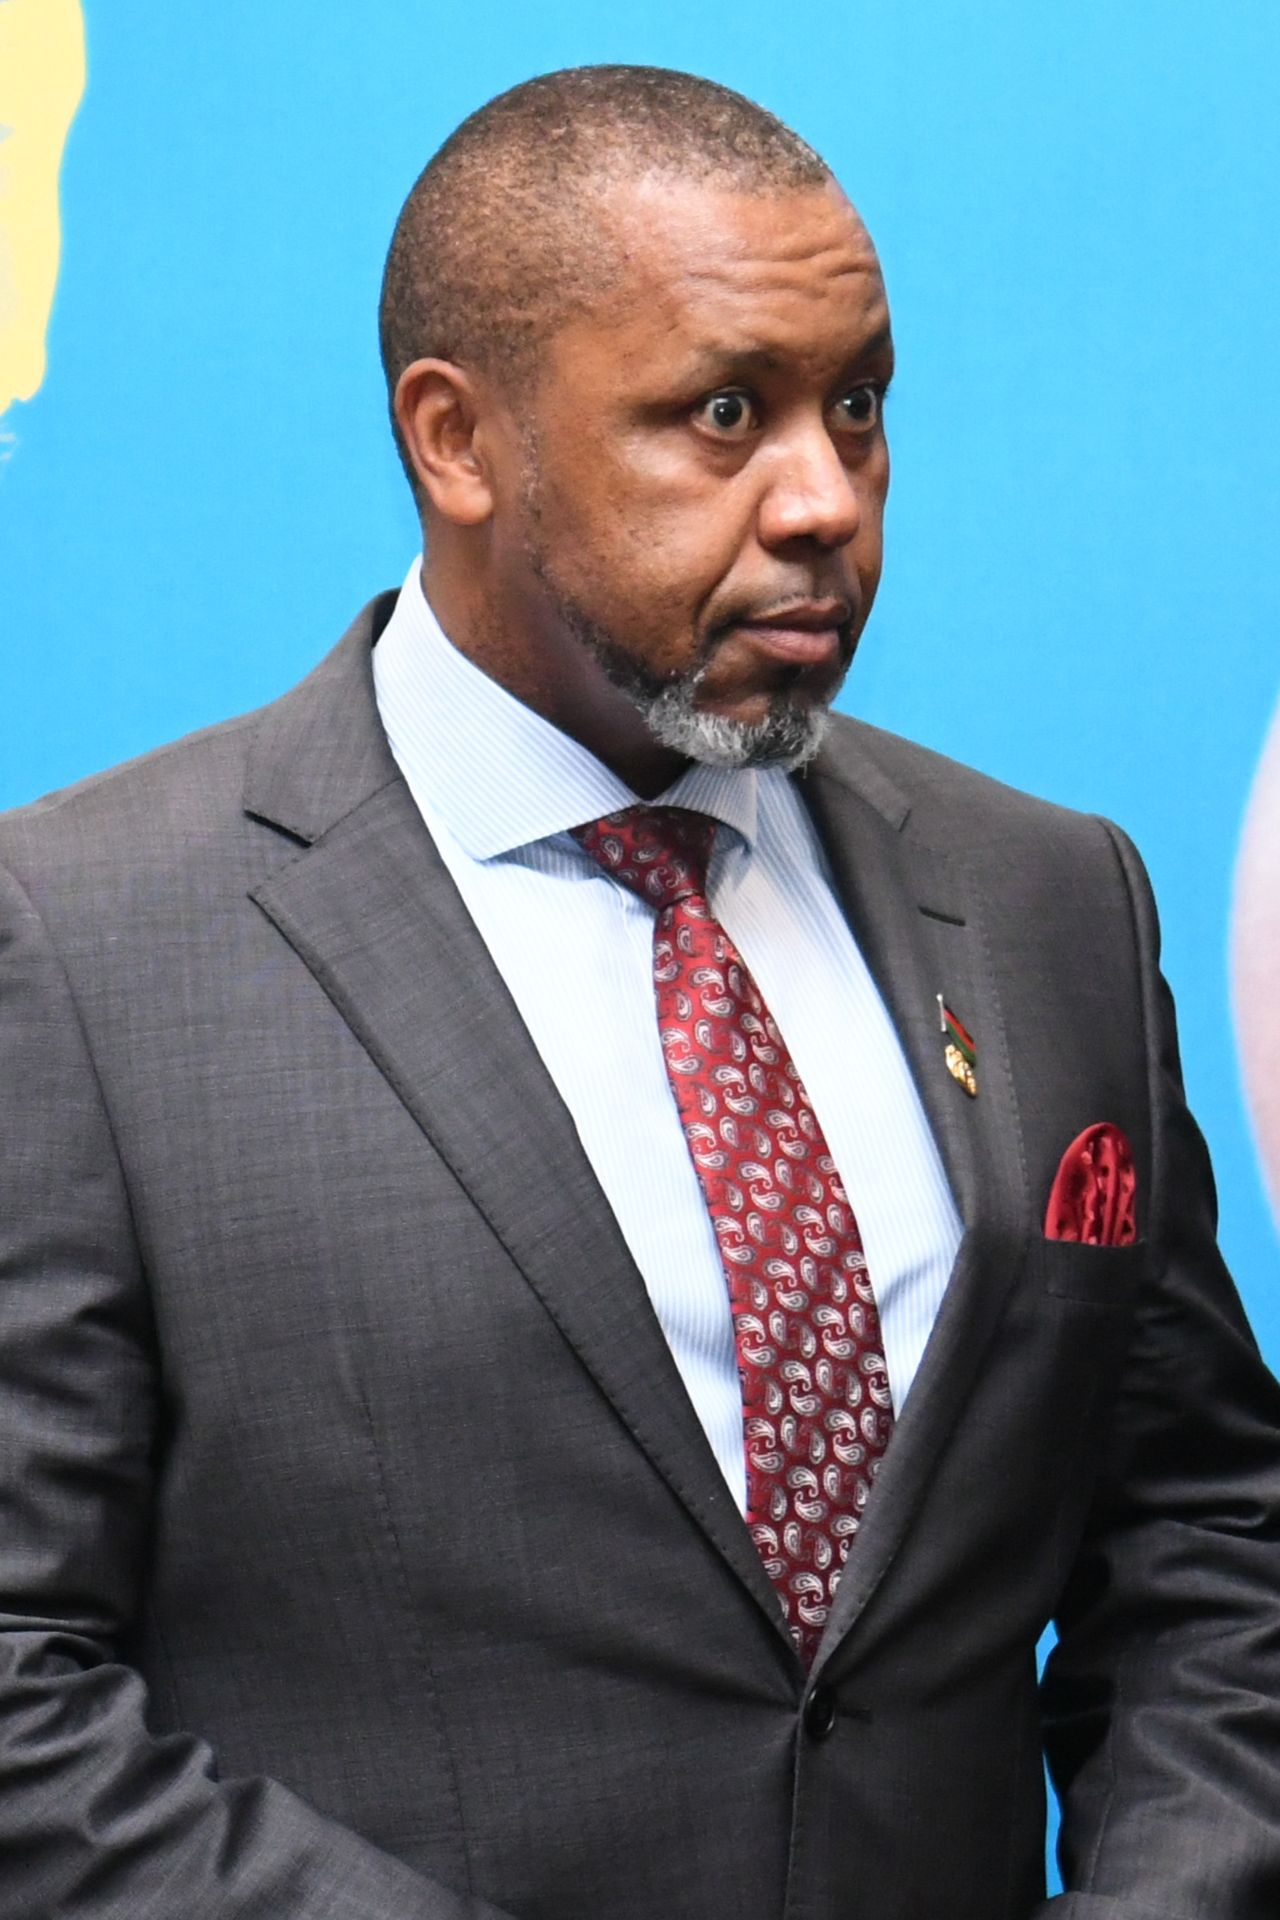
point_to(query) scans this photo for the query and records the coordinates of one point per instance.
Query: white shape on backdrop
(1256, 960)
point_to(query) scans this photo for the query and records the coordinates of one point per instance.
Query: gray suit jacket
(361, 1556)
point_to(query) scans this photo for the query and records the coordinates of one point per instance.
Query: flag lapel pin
(958, 1050)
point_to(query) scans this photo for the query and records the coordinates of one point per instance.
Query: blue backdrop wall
(1076, 205)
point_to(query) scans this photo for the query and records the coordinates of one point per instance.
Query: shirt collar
(499, 775)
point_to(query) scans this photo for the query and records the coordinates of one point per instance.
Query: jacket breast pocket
(1105, 1277)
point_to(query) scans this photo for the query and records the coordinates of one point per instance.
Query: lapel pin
(959, 1051)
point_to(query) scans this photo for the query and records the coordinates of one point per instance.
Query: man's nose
(811, 495)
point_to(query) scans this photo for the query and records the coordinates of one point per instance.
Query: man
(561, 1352)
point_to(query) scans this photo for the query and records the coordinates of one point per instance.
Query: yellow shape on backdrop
(42, 76)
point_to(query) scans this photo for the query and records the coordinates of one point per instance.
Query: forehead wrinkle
(722, 318)
(811, 273)
(748, 280)
(670, 231)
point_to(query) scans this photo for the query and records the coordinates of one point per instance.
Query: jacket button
(820, 1713)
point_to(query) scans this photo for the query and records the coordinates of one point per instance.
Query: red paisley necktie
(816, 1405)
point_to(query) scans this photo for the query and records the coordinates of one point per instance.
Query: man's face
(703, 469)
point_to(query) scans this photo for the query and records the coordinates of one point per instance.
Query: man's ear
(437, 409)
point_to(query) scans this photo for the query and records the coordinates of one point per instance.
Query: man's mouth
(802, 633)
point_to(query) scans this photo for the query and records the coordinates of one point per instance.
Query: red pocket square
(1092, 1196)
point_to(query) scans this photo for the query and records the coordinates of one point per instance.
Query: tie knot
(661, 853)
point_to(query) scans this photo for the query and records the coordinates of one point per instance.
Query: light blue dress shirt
(498, 788)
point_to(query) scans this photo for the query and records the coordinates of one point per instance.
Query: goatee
(786, 737)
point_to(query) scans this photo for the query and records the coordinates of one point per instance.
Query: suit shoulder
(167, 794)
(180, 802)
(953, 806)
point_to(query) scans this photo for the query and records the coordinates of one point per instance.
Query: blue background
(1076, 207)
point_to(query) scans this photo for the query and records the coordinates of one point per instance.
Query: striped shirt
(498, 788)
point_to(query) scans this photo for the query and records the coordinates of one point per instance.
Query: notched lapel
(371, 910)
(917, 920)
(916, 915)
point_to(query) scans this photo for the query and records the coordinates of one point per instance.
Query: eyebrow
(712, 362)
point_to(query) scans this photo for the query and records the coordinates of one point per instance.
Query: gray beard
(787, 737)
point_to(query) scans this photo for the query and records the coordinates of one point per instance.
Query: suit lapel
(917, 919)
(373, 913)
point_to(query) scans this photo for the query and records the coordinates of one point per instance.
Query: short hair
(504, 235)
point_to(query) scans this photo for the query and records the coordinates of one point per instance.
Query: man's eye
(859, 409)
(730, 416)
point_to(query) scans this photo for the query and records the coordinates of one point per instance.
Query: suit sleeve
(98, 1819)
(1162, 1697)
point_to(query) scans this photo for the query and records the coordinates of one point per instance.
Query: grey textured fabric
(361, 1556)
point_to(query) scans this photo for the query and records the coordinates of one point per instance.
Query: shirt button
(820, 1713)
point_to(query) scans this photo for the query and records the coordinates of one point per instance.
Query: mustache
(807, 608)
